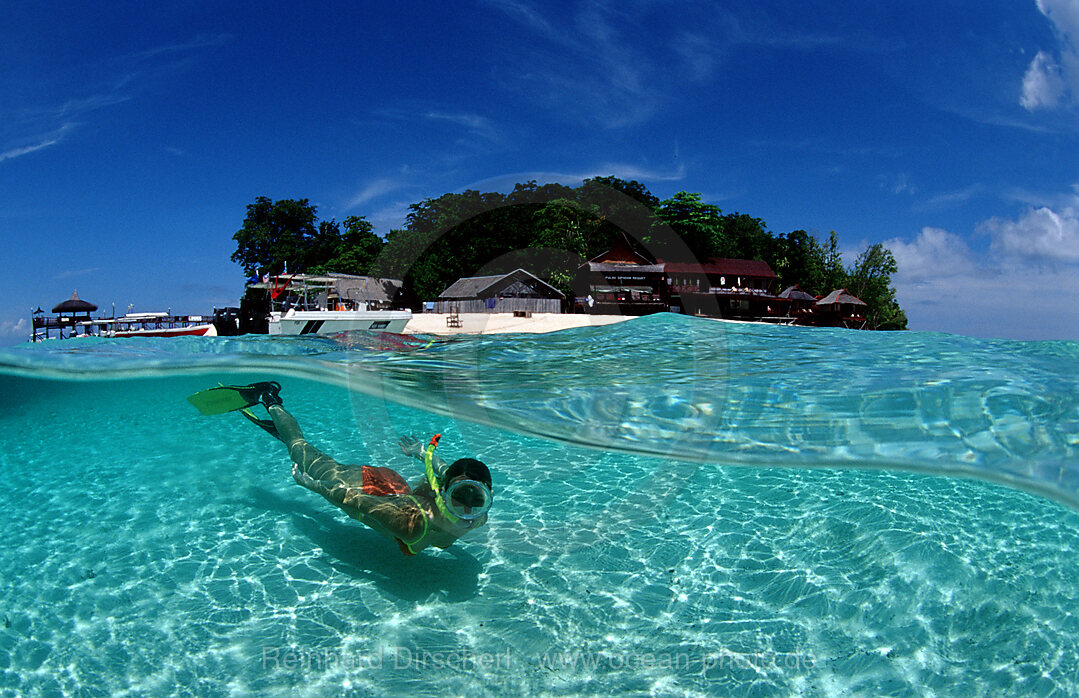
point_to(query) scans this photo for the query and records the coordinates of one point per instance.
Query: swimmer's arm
(411, 446)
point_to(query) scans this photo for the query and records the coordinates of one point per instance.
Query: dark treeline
(550, 230)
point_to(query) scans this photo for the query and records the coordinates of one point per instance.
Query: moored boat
(327, 304)
(206, 330)
(332, 321)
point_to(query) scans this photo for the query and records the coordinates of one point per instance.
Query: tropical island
(679, 253)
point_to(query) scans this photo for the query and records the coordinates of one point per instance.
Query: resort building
(728, 288)
(516, 292)
(621, 282)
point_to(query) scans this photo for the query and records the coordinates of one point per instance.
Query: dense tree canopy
(550, 230)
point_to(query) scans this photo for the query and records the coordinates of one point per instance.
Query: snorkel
(458, 517)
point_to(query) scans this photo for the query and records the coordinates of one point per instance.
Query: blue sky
(132, 135)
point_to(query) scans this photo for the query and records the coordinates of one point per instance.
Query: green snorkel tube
(429, 466)
(440, 497)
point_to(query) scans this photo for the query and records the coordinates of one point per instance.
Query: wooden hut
(840, 309)
(516, 292)
(797, 304)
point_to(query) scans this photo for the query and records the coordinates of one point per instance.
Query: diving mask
(468, 499)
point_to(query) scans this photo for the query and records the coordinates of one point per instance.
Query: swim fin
(266, 424)
(229, 398)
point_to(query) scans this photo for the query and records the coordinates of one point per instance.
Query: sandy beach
(501, 323)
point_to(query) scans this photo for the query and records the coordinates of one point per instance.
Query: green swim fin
(229, 398)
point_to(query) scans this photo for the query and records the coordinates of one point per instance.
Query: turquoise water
(908, 525)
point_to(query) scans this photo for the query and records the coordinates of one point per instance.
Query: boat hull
(193, 331)
(334, 321)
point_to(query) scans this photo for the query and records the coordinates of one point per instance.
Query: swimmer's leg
(310, 461)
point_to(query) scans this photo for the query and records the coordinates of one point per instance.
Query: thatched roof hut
(74, 305)
(840, 296)
(796, 294)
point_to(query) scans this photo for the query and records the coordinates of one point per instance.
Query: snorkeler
(447, 503)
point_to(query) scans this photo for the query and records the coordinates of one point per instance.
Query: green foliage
(697, 224)
(798, 259)
(276, 233)
(351, 252)
(870, 280)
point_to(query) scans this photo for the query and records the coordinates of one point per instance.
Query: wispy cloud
(75, 272)
(952, 198)
(481, 129)
(29, 128)
(474, 123)
(199, 42)
(897, 184)
(527, 15)
(40, 143)
(592, 69)
(390, 216)
(372, 190)
(646, 174)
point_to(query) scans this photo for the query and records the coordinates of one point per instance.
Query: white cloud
(14, 329)
(1023, 287)
(1049, 80)
(1043, 84)
(934, 254)
(624, 171)
(1039, 233)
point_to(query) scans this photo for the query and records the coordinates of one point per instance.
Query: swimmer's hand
(411, 446)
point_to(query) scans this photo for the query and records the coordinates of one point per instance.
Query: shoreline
(504, 323)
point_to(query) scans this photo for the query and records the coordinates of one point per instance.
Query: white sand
(500, 323)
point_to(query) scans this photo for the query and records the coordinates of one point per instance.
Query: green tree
(835, 275)
(699, 225)
(565, 226)
(351, 252)
(798, 259)
(870, 279)
(744, 237)
(275, 233)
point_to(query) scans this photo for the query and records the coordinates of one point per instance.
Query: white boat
(332, 303)
(332, 321)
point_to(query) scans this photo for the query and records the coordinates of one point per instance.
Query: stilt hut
(840, 309)
(799, 304)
